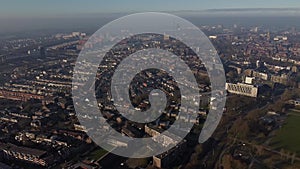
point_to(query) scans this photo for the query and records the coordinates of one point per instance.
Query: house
(35, 156)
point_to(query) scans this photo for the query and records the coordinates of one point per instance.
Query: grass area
(137, 162)
(96, 154)
(288, 137)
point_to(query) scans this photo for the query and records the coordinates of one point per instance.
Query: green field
(96, 154)
(288, 137)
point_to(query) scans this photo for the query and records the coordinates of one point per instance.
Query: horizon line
(294, 11)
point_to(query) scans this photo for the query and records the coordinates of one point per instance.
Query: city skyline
(155, 84)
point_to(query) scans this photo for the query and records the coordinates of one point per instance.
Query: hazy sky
(55, 8)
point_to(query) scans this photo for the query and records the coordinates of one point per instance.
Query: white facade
(242, 89)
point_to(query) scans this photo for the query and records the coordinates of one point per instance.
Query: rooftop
(23, 150)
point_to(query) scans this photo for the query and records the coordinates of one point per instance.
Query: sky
(23, 15)
(57, 8)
